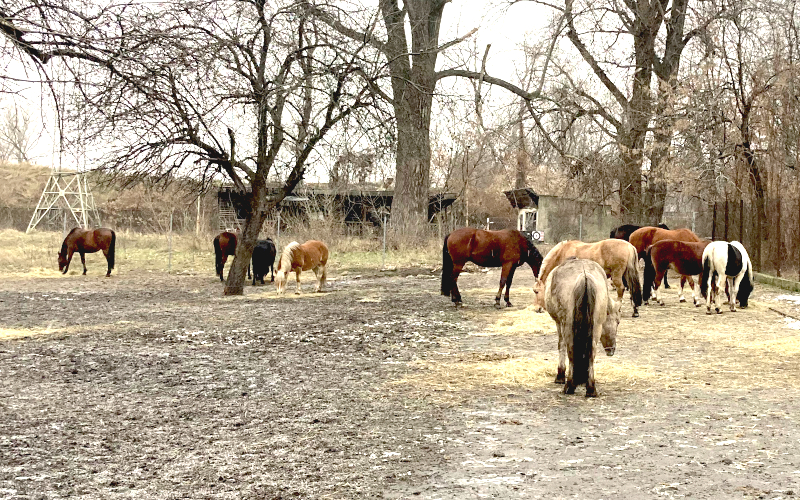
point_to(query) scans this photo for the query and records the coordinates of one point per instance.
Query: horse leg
(221, 267)
(508, 284)
(562, 358)
(83, 261)
(503, 278)
(657, 287)
(69, 259)
(271, 273)
(297, 274)
(108, 273)
(695, 291)
(569, 383)
(732, 294)
(681, 297)
(591, 390)
(318, 275)
(455, 295)
(718, 294)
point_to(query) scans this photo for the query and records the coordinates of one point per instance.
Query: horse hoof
(708, 311)
(497, 305)
(558, 381)
(458, 304)
(667, 286)
(635, 314)
(646, 302)
(719, 311)
(508, 304)
(682, 300)
(592, 393)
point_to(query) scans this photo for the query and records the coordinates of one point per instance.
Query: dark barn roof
(522, 198)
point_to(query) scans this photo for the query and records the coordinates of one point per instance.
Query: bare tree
(18, 136)
(241, 89)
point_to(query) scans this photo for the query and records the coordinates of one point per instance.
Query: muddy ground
(152, 386)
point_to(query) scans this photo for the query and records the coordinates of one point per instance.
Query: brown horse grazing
(508, 249)
(646, 236)
(625, 231)
(86, 241)
(616, 257)
(685, 258)
(311, 255)
(225, 246)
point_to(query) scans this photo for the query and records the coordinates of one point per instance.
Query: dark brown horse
(224, 246)
(685, 258)
(86, 241)
(624, 231)
(646, 236)
(508, 249)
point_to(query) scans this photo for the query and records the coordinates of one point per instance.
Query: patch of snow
(792, 323)
(789, 298)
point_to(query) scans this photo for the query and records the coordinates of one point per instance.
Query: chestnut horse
(646, 236)
(311, 255)
(685, 258)
(507, 248)
(577, 298)
(86, 241)
(624, 232)
(616, 257)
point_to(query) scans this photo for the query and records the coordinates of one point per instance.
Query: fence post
(383, 256)
(278, 231)
(713, 223)
(694, 216)
(169, 261)
(580, 227)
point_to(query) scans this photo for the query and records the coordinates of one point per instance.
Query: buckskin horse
(616, 257)
(729, 263)
(577, 299)
(507, 249)
(86, 241)
(685, 258)
(311, 255)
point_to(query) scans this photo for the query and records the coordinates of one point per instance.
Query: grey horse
(576, 296)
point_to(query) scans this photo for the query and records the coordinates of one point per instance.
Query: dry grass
(34, 254)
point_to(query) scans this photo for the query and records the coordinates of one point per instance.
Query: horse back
(312, 254)
(486, 248)
(90, 241)
(685, 257)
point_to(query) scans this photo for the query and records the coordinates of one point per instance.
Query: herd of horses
(570, 281)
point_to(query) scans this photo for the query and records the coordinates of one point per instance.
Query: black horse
(624, 232)
(263, 260)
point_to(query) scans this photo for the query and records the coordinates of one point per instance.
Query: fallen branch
(783, 313)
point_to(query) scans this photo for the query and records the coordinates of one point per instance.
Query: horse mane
(285, 262)
(547, 258)
(64, 246)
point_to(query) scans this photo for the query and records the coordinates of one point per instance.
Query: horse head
(610, 325)
(538, 295)
(62, 262)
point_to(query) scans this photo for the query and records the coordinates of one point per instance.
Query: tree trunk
(413, 116)
(761, 202)
(246, 242)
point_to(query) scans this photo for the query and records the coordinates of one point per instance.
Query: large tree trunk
(761, 201)
(246, 242)
(413, 115)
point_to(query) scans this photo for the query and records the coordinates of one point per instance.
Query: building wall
(560, 218)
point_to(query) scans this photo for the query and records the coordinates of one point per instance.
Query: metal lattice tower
(66, 194)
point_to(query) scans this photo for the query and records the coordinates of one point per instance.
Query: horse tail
(447, 270)
(583, 331)
(631, 279)
(649, 274)
(706, 275)
(110, 255)
(217, 254)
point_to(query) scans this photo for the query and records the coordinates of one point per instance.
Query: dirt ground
(153, 386)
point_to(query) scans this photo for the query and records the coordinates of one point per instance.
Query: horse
(86, 241)
(225, 246)
(624, 232)
(507, 249)
(577, 298)
(726, 261)
(644, 237)
(263, 260)
(311, 255)
(685, 258)
(616, 257)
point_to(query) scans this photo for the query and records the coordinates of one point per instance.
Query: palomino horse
(577, 298)
(729, 262)
(624, 232)
(86, 241)
(646, 236)
(296, 257)
(224, 247)
(616, 257)
(685, 258)
(508, 249)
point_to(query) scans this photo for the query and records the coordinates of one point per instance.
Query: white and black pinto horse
(728, 263)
